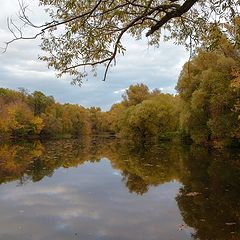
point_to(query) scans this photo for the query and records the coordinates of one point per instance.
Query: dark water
(107, 189)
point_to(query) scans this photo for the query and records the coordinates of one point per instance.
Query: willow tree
(208, 99)
(83, 34)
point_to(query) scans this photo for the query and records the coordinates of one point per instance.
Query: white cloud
(20, 67)
(96, 203)
(120, 91)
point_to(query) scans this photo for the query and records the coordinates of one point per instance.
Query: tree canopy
(84, 34)
(208, 99)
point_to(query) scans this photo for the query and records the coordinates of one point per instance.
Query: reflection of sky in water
(88, 202)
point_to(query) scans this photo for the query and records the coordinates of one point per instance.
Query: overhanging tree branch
(89, 33)
(177, 13)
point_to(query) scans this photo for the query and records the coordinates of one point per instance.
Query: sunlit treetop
(83, 34)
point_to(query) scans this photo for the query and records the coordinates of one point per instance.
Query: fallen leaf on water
(231, 223)
(192, 194)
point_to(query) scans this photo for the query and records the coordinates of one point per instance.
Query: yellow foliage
(38, 124)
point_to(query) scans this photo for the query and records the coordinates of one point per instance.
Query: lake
(111, 189)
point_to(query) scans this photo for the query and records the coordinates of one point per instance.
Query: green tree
(39, 102)
(151, 118)
(79, 118)
(114, 114)
(208, 98)
(52, 119)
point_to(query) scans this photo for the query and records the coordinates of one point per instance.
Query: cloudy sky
(20, 67)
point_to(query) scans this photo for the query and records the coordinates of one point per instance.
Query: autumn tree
(114, 115)
(100, 121)
(16, 117)
(21, 122)
(208, 98)
(84, 34)
(39, 102)
(79, 118)
(10, 96)
(24, 114)
(67, 119)
(152, 118)
(52, 119)
(236, 88)
(135, 94)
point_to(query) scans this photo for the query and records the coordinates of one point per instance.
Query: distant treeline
(142, 114)
(206, 109)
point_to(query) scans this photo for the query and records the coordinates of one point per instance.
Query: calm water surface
(106, 189)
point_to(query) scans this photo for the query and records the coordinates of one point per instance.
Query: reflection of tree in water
(15, 160)
(209, 199)
(145, 165)
(134, 183)
(141, 165)
(33, 161)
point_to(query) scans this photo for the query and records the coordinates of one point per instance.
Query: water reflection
(81, 194)
(213, 209)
